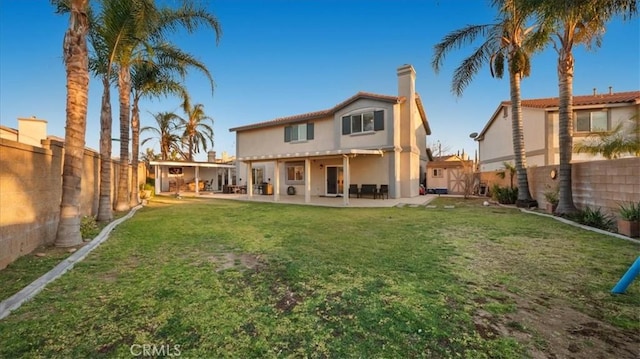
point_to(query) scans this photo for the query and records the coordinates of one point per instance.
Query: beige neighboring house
(446, 174)
(366, 139)
(592, 114)
(31, 131)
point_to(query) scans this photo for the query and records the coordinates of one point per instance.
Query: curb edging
(15, 301)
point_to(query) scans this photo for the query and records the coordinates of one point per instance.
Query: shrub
(630, 212)
(89, 227)
(504, 195)
(551, 195)
(594, 218)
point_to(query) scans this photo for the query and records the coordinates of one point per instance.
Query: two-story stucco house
(591, 114)
(366, 139)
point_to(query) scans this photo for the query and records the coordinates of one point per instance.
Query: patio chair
(353, 189)
(384, 191)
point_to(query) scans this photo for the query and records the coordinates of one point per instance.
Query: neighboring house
(591, 114)
(366, 139)
(446, 174)
(31, 131)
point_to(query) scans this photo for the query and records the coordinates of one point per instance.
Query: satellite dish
(473, 135)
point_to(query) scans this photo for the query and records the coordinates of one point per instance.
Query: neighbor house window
(437, 172)
(298, 132)
(363, 122)
(591, 121)
(295, 172)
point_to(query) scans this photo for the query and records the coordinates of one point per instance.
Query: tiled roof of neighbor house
(629, 97)
(598, 99)
(319, 114)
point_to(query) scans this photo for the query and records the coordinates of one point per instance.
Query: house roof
(552, 103)
(322, 113)
(598, 99)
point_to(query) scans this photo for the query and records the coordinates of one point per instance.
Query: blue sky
(278, 58)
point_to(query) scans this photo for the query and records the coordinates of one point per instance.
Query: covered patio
(332, 177)
(196, 177)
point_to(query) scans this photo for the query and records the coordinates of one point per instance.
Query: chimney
(211, 156)
(610, 90)
(407, 82)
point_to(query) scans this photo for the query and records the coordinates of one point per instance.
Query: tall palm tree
(169, 140)
(148, 24)
(100, 64)
(76, 59)
(572, 22)
(197, 133)
(509, 39)
(153, 79)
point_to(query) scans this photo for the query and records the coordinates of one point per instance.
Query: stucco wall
(30, 193)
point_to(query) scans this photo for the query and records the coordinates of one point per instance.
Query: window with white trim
(295, 173)
(591, 121)
(437, 172)
(363, 122)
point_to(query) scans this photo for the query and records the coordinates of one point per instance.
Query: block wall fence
(31, 190)
(605, 184)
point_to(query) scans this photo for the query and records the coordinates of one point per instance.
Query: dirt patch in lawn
(228, 260)
(552, 329)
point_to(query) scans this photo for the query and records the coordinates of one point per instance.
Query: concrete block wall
(604, 184)
(31, 190)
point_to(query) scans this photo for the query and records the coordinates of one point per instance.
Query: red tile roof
(598, 99)
(319, 114)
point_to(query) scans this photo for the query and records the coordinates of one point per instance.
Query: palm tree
(156, 79)
(167, 124)
(511, 40)
(614, 144)
(570, 23)
(75, 55)
(146, 25)
(196, 132)
(100, 64)
(511, 169)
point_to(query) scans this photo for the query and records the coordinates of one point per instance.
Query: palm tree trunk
(76, 62)
(565, 132)
(135, 151)
(524, 195)
(124, 89)
(105, 206)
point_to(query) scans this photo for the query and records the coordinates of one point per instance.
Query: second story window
(591, 121)
(298, 132)
(363, 122)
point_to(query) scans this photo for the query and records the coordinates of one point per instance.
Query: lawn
(215, 278)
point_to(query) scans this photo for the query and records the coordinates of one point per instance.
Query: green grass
(28, 268)
(237, 279)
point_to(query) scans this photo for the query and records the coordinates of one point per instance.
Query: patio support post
(158, 179)
(276, 182)
(229, 176)
(347, 180)
(250, 179)
(307, 180)
(196, 180)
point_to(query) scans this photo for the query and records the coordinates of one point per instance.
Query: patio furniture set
(369, 190)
